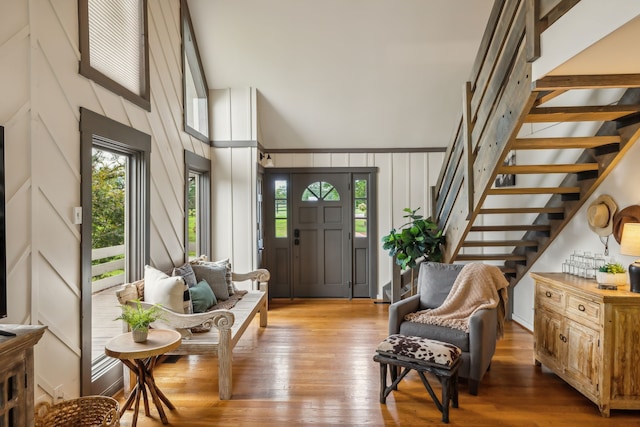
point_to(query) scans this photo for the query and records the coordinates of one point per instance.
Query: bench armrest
(260, 276)
(219, 319)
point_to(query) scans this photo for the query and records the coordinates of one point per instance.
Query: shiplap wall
(233, 212)
(404, 181)
(42, 93)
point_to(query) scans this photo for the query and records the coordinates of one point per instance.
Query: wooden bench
(226, 326)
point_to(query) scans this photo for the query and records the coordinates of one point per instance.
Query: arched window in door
(320, 190)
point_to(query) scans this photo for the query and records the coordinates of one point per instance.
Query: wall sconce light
(630, 245)
(266, 160)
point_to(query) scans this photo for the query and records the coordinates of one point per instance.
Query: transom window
(114, 47)
(320, 190)
(194, 84)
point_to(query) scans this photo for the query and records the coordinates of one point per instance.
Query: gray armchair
(478, 345)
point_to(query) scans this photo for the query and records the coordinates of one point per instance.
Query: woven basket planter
(89, 411)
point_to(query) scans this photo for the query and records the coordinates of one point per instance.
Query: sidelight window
(360, 207)
(281, 213)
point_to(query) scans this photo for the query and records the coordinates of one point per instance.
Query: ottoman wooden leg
(446, 397)
(383, 383)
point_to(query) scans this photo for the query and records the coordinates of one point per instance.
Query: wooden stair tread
(564, 143)
(540, 210)
(597, 113)
(523, 227)
(494, 243)
(544, 169)
(490, 257)
(592, 81)
(533, 190)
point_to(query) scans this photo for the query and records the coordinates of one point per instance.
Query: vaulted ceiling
(344, 73)
(365, 74)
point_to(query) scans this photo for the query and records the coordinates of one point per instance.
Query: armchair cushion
(440, 333)
(435, 281)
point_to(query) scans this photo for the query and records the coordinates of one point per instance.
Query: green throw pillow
(202, 297)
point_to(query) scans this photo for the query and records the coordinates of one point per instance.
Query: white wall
(233, 214)
(42, 93)
(596, 36)
(621, 184)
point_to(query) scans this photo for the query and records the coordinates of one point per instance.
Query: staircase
(554, 173)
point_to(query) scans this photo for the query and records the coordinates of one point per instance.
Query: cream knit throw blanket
(477, 286)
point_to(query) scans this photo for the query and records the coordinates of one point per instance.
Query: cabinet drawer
(550, 297)
(583, 310)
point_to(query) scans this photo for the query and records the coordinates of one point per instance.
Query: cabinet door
(582, 363)
(547, 338)
(13, 391)
(623, 354)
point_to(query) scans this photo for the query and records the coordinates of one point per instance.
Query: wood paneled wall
(42, 95)
(404, 181)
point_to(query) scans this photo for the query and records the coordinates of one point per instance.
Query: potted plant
(139, 318)
(611, 274)
(417, 238)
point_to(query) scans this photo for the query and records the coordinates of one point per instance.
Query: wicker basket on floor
(89, 411)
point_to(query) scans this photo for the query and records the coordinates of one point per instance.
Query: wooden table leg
(157, 396)
(142, 373)
(145, 380)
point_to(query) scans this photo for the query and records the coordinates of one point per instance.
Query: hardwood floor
(313, 365)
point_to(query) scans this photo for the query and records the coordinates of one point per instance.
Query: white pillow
(160, 288)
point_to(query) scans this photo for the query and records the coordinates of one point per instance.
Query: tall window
(194, 84)
(115, 234)
(114, 47)
(197, 205)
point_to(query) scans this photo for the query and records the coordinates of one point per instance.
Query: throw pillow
(202, 297)
(435, 280)
(187, 274)
(160, 288)
(224, 262)
(214, 275)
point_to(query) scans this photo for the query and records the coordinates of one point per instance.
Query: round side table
(141, 358)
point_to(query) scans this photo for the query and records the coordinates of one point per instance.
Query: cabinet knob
(581, 307)
(548, 294)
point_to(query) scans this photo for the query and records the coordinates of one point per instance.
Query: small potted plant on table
(139, 318)
(611, 275)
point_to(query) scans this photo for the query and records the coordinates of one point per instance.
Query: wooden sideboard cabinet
(16, 375)
(590, 338)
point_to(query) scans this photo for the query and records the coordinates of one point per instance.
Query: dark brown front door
(321, 235)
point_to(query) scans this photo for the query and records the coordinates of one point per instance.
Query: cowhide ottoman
(422, 355)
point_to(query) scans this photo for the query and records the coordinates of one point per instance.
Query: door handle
(296, 233)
